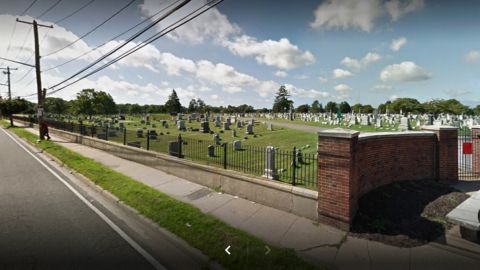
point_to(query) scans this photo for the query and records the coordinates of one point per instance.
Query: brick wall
(476, 150)
(352, 164)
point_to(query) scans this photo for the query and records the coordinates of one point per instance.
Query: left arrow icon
(226, 250)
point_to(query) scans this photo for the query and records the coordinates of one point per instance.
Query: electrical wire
(111, 39)
(138, 47)
(48, 9)
(92, 30)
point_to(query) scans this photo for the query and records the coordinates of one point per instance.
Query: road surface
(44, 225)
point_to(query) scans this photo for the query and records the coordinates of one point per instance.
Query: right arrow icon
(268, 250)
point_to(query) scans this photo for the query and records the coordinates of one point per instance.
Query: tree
(315, 107)
(192, 106)
(17, 105)
(345, 107)
(173, 104)
(477, 110)
(452, 106)
(56, 105)
(282, 103)
(90, 102)
(331, 106)
(406, 105)
(304, 108)
(356, 108)
(367, 109)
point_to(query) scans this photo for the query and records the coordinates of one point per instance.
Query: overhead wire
(138, 47)
(92, 30)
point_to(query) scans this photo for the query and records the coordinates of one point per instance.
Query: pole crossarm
(31, 23)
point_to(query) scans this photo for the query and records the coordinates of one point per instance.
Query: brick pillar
(337, 177)
(476, 150)
(447, 152)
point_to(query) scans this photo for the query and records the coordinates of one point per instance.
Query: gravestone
(365, 120)
(269, 126)
(217, 123)
(378, 123)
(237, 145)
(249, 129)
(239, 124)
(234, 133)
(226, 126)
(216, 139)
(174, 148)
(181, 125)
(204, 127)
(404, 124)
(210, 151)
(299, 156)
(270, 171)
(152, 134)
(139, 133)
(121, 125)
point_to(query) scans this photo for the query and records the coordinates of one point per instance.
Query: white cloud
(404, 72)
(281, 54)
(281, 74)
(322, 79)
(397, 9)
(393, 97)
(472, 56)
(341, 73)
(175, 65)
(221, 74)
(214, 97)
(212, 25)
(362, 15)
(358, 64)
(343, 91)
(398, 43)
(311, 94)
(457, 93)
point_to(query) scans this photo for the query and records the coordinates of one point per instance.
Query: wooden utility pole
(41, 93)
(9, 89)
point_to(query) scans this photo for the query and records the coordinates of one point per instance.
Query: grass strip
(202, 231)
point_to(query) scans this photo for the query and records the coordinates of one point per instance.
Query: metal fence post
(225, 155)
(106, 133)
(91, 130)
(148, 139)
(124, 136)
(179, 146)
(294, 164)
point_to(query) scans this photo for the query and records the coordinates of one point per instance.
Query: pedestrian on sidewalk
(44, 129)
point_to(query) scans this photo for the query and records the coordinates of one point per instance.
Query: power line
(25, 11)
(91, 31)
(48, 9)
(46, 33)
(138, 47)
(126, 42)
(111, 39)
(75, 12)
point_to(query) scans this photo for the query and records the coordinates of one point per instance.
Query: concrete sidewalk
(316, 243)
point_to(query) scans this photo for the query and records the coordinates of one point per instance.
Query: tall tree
(331, 107)
(56, 105)
(304, 108)
(344, 107)
(173, 104)
(90, 102)
(315, 108)
(282, 103)
(192, 106)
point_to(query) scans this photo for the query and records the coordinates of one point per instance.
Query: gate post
(337, 177)
(476, 151)
(447, 154)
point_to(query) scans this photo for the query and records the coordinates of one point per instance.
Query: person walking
(44, 128)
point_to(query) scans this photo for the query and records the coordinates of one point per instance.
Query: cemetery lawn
(205, 232)
(406, 214)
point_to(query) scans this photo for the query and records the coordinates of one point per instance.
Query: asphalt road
(44, 225)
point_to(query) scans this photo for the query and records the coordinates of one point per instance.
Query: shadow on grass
(406, 214)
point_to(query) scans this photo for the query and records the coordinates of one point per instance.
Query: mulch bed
(406, 214)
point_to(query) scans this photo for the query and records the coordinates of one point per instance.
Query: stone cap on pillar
(433, 127)
(338, 133)
(476, 127)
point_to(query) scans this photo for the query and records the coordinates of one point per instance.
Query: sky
(241, 52)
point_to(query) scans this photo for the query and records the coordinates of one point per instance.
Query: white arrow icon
(226, 250)
(268, 250)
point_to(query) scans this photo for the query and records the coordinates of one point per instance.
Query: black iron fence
(468, 156)
(289, 166)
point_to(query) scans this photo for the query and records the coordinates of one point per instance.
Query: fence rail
(289, 166)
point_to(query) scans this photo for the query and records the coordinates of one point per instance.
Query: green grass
(207, 233)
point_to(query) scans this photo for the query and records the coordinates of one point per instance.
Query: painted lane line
(110, 223)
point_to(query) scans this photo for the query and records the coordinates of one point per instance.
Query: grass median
(202, 231)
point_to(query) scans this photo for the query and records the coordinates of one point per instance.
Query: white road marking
(110, 223)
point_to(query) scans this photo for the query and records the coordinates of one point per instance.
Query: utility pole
(9, 89)
(41, 93)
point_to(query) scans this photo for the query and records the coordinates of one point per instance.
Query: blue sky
(240, 52)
